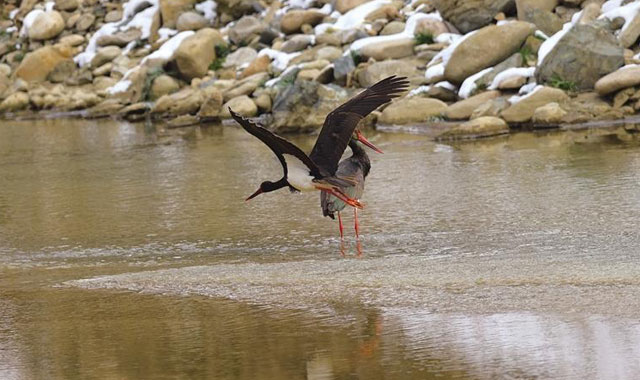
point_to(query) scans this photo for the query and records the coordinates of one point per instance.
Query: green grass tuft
(565, 85)
(356, 57)
(526, 53)
(221, 54)
(424, 38)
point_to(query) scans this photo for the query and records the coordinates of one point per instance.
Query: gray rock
(245, 29)
(296, 43)
(515, 60)
(113, 16)
(546, 21)
(582, 56)
(342, 67)
(104, 55)
(303, 106)
(120, 39)
(468, 15)
(393, 27)
(380, 70)
(191, 21)
(242, 56)
(67, 5)
(85, 21)
(62, 71)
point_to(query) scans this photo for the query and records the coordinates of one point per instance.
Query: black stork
(317, 171)
(356, 167)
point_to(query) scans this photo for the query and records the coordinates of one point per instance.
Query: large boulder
(294, 19)
(485, 48)
(104, 55)
(545, 5)
(546, 21)
(484, 126)
(464, 108)
(171, 10)
(619, 79)
(468, 15)
(380, 70)
(243, 31)
(197, 52)
(191, 21)
(163, 85)
(246, 86)
(120, 38)
(414, 109)
(186, 101)
(38, 64)
(241, 57)
(583, 55)
(15, 102)
(523, 110)
(390, 49)
(303, 106)
(242, 105)
(46, 26)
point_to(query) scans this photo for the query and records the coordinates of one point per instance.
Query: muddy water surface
(129, 254)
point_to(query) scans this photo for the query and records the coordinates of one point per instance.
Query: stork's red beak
(366, 142)
(258, 192)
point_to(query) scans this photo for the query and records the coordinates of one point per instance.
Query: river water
(131, 254)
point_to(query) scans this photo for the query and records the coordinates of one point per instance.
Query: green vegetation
(356, 57)
(566, 85)
(152, 74)
(18, 57)
(526, 53)
(221, 54)
(424, 38)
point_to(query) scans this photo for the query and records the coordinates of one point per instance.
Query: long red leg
(357, 226)
(340, 195)
(340, 225)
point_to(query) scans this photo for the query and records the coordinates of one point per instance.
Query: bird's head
(357, 135)
(266, 187)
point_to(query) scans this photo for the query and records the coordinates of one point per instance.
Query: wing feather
(277, 144)
(341, 122)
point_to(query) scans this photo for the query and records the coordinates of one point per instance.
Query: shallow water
(130, 254)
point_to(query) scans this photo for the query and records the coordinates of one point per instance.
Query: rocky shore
(489, 65)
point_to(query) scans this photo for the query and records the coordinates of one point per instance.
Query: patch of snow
(469, 84)
(326, 9)
(540, 34)
(304, 4)
(434, 71)
(166, 33)
(610, 5)
(445, 54)
(335, 14)
(408, 31)
(280, 59)
(13, 13)
(627, 12)
(447, 85)
(119, 87)
(208, 8)
(419, 90)
(576, 16)
(504, 22)
(11, 29)
(517, 98)
(551, 42)
(527, 88)
(129, 47)
(166, 51)
(354, 18)
(447, 38)
(48, 6)
(514, 72)
(142, 20)
(85, 57)
(29, 19)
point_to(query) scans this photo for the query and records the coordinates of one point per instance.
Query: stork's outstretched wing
(341, 122)
(277, 144)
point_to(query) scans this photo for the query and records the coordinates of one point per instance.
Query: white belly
(298, 174)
